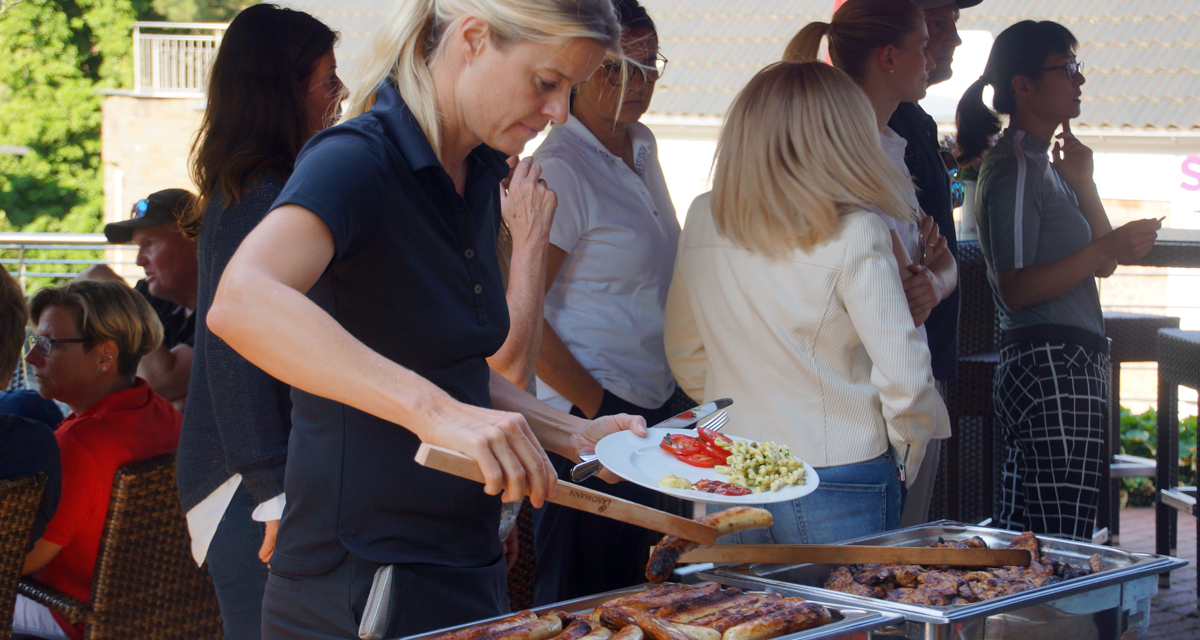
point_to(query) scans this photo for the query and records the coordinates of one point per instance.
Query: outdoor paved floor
(1173, 613)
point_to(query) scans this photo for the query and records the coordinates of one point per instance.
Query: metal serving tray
(848, 620)
(1114, 603)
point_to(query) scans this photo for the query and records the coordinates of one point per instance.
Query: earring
(100, 369)
(891, 71)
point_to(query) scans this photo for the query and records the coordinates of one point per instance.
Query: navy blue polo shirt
(415, 277)
(933, 194)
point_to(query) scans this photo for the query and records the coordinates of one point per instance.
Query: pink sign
(1191, 172)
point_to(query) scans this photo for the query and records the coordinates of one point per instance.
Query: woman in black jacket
(274, 85)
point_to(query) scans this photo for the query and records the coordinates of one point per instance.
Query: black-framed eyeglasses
(649, 70)
(45, 344)
(139, 209)
(1073, 69)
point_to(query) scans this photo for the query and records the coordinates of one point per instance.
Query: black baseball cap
(160, 207)
(933, 4)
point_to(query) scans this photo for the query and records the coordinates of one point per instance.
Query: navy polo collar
(406, 132)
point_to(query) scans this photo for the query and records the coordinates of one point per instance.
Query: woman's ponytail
(976, 123)
(1020, 50)
(806, 44)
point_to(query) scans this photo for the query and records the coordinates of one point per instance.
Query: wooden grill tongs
(857, 554)
(602, 504)
(581, 498)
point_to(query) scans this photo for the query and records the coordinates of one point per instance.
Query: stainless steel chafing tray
(1114, 603)
(848, 620)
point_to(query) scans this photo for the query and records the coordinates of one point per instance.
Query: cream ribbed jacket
(817, 348)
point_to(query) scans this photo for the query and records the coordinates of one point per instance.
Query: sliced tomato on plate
(681, 445)
(701, 459)
(713, 450)
(714, 437)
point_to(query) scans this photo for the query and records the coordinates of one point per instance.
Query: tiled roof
(1142, 56)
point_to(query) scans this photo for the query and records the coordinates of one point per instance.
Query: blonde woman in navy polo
(373, 288)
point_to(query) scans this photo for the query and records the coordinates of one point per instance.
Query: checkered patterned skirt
(1052, 404)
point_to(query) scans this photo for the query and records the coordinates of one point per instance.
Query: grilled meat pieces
(944, 586)
(480, 631)
(786, 616)
(653, 626)
(668, 612)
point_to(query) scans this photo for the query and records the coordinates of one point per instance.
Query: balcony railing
(41, 258)
(173, 58)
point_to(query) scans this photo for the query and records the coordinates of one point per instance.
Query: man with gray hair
(928, 166)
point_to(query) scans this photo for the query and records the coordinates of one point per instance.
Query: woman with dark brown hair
(1045, 237)
(274, 84)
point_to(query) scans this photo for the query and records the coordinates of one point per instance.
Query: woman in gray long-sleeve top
(1045, 238)
(274, 85)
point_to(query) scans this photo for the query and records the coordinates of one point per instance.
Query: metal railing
(174, 63)
(53, 256)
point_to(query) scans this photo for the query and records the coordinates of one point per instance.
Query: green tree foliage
(200, 10)
(54, 55)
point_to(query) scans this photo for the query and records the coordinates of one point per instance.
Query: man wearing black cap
(934, 194)
(171, 283)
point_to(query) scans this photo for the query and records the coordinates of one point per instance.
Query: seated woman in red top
(88, 339)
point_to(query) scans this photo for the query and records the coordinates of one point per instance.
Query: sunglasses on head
(958, 192)
(139, 209)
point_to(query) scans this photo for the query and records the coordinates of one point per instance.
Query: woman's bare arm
(528, 208)
(1021, 288)
(261, 310)
(556, 366)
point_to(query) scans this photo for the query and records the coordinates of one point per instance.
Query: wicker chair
(1134, 339)
(968, 475)
(1178, 364)
(146, 584)
(19, 500)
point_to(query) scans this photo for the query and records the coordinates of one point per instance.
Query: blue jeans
(238, 575)
(852, 501)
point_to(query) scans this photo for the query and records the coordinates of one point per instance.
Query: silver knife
(591, 464)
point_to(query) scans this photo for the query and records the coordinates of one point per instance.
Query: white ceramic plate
(642, 461)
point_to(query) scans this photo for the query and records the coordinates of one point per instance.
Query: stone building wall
(145, 143)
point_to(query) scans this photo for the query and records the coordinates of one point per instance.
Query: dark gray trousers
(424, 598)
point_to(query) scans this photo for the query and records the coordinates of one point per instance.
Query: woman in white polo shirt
(612, 252)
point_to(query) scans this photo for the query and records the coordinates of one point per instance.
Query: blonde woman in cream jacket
(786, 298)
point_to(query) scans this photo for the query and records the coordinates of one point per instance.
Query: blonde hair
(106, 310)
(411, 38)
(800, 148)
(858, 28)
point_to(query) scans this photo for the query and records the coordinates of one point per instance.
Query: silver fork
(716, 422)
(584, 470)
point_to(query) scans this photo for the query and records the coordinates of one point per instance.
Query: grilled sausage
(665, 595)
(600, 633)
(471, 633)
(667, 552)
(653, 626)
(544, 628)
(575, 630)
(697, 633)
(629, 633)
(718, 599)
(794, 615)
(714, 608)
(734, 616)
